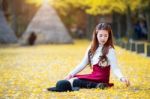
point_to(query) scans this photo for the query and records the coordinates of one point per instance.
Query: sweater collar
(100, 45)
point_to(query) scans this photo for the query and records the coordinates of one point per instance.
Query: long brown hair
(95, 43)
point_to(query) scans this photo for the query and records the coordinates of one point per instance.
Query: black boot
(102, 85)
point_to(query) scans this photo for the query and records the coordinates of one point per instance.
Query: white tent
(47, 26)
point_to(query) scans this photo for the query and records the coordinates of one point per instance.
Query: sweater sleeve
(114, 64)
(82, 64)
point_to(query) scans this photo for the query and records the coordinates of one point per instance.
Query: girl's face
(102, 36)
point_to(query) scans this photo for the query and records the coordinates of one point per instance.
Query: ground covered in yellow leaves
(26, 71)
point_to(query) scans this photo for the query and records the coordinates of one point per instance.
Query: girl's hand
(68, 77)
(125, 80)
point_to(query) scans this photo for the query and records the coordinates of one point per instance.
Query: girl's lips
(103, 41)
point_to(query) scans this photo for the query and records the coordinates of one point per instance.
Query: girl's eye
(100, 35)
(106, 35)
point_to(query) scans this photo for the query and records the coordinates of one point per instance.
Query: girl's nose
(103, 38)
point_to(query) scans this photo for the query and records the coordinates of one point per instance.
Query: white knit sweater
(112, 61)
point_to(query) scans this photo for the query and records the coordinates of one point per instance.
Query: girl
(101, 56)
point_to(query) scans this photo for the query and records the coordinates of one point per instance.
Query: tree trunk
(148, 24)
(129, 23)
(118, 26)
(1, 3)
(14, 15)
(90, 26)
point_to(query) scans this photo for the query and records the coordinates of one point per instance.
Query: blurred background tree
(123, 14)
(7, 35)
(18, 14)
(81, 16)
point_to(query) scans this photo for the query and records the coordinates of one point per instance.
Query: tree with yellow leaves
(103, 7)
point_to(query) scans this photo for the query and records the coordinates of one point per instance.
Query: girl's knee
(71, 80)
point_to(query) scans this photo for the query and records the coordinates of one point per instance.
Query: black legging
(84, 83)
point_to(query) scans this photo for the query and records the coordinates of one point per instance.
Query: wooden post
(124, 44)
(148, 50)
(133, 46)
(128, 46)
(140, 47)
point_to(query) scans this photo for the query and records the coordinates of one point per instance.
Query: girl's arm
(81, 66)
(114, 65)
